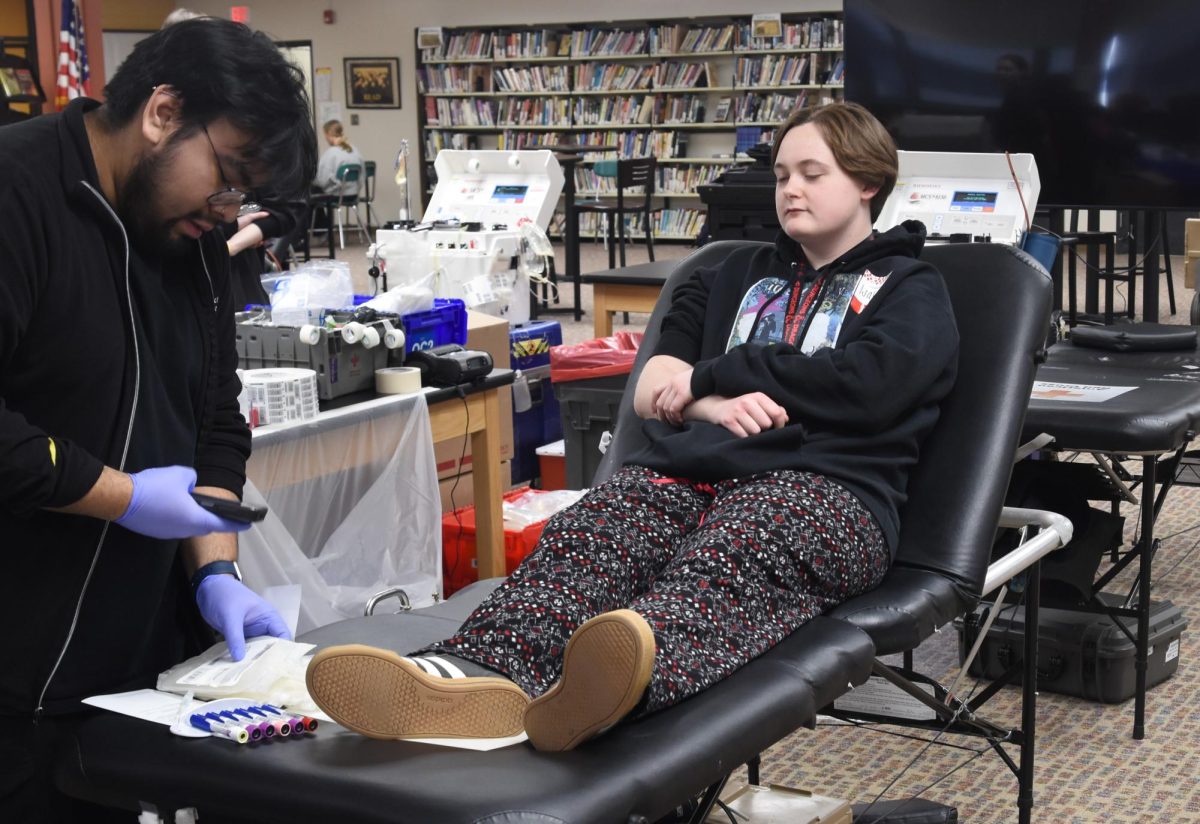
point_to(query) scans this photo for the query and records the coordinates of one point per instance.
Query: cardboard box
(1190, 267)
(1191, 237)
(490, 335)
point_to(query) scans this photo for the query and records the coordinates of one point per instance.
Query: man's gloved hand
(162, 506)
(237, 612)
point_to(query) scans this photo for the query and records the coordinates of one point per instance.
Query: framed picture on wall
(372, 82)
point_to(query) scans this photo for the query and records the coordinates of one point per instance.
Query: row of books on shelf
(601, 42)
(819, 33)
(534, 111)
(532, 79)
(668, 180)
(670, 38)
(614, 76)
(775, 70)
(768, 70)
(645, 110)
(677, 38)
(638, 143)
(675, 223)
(768, 108)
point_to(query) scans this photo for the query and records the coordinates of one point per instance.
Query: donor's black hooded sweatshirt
(859, 353)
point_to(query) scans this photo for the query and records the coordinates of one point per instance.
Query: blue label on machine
(973, 202)
(509, 194)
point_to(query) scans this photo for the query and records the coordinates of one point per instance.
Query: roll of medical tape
(397, 380)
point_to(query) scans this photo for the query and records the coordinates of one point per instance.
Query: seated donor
(339, 153)
(784, 408)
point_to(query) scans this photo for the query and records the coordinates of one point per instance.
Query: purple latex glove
(237, 612)
(162, 506)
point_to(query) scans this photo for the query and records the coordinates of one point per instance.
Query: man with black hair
(118, 391)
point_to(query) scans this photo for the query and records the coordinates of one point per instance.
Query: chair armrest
(1054, 531)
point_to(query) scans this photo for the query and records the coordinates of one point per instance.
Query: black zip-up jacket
(857, 409)
(70, 380)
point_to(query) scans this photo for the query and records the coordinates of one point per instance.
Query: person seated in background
(784, 407)
(339, 153)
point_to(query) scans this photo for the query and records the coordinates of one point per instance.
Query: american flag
(73, 74)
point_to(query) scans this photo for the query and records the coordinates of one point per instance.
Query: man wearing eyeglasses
(118, 392)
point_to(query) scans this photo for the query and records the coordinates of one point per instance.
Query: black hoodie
(859, 353)
(75, 395)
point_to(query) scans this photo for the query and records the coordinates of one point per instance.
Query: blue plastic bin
(542, 422)
(445, 323)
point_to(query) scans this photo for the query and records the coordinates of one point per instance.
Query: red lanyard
(795, 317)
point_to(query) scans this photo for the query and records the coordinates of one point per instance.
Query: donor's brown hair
(860, 145)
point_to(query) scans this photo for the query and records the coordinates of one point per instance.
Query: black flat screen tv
(1104, 93)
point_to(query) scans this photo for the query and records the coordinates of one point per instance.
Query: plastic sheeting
(354, 508)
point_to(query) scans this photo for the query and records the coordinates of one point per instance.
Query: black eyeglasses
(230, 195)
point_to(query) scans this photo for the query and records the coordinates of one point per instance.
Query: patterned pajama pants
(721, 573)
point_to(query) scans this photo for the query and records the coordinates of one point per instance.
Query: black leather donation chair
(643, 770)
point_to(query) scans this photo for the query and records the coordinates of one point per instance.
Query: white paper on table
(165, 708)
(148, 705)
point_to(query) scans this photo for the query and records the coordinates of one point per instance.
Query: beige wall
(385, 28)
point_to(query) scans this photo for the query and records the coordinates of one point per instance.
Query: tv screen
(1104, 93)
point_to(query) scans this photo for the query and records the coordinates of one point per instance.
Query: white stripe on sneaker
(452, 671)
(425, 666)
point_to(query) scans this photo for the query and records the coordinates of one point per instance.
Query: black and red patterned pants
(721, 572)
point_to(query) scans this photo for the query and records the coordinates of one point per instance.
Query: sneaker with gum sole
(377, 693)
(606, 668)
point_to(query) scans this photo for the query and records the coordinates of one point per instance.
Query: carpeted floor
(1089, 768)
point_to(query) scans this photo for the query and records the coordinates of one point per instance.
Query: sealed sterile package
(303, 294)
(272, 671)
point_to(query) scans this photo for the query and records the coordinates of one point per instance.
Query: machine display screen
(973, 202)
(509, 194)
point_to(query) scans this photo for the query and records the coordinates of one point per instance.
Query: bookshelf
(690, 91)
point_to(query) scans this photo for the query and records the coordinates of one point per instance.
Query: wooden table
(627, 289)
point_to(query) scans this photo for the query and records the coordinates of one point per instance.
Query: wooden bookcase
(691, 91)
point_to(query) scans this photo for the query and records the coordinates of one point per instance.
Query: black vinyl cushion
(642, 768)
(1137, 337)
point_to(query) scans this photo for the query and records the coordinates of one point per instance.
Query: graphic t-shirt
(776, 310)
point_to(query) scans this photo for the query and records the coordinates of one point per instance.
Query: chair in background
(337, 204)
(1095, 241)
(629, 173)
(367, 195)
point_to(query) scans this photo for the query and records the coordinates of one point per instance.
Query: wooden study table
(627, 289)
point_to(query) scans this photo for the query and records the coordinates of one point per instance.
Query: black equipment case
(1079, 653)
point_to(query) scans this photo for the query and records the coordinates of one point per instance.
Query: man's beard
(138, 207)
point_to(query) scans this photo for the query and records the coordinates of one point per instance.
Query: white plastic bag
(536, 506)
(353, 509)
(301, 295)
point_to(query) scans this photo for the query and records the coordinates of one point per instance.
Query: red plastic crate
(459, 562)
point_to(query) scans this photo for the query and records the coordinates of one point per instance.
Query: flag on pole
(73, 74)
